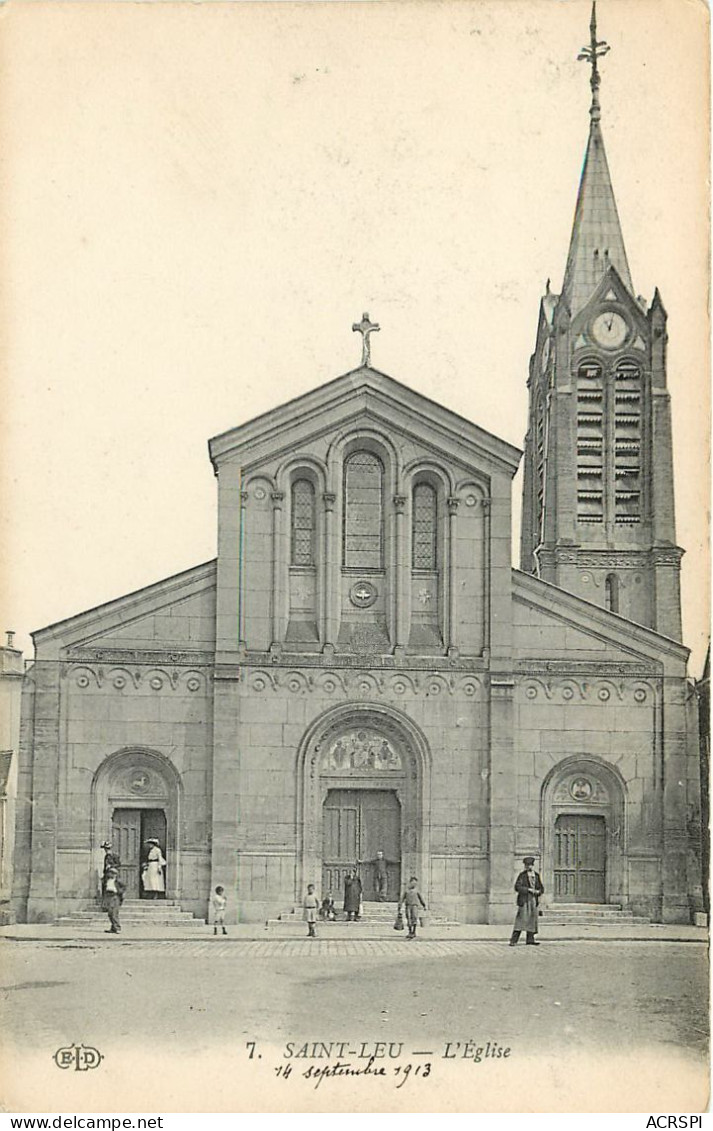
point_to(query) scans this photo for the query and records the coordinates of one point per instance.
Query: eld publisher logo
(79, 1057)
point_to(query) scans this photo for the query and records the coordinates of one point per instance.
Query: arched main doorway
(135, 796)
(364, 786)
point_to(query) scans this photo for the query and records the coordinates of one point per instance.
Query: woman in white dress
(152, 874)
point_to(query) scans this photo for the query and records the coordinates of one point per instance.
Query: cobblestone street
(201, 998)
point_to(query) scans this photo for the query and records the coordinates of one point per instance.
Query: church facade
(362, 671)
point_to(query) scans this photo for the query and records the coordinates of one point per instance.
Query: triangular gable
(187, 622)
(361, 391)
(552, 624)
(176, 613)
(611, 284)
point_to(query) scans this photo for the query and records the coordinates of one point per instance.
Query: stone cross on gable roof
(365, 328)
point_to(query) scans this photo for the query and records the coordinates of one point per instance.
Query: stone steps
(134, 913)
(584, 913)
(381, 913)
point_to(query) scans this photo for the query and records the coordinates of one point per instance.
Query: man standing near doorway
(529, 888)
(381, 878)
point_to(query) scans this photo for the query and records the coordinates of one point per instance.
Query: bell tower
(598, 507)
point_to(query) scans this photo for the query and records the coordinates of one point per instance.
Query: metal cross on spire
(594, 51)
(365, 328)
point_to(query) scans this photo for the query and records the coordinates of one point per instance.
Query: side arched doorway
(584, 832)
(365, 777)
(136, 796)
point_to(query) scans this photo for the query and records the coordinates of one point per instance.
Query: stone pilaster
(241, 570)
(667, 591)
(226, 821)
(675, 907)
(452, 627)
(402, 574)
(331, 587)
(279, 590)
(503, 799)
(45, 778)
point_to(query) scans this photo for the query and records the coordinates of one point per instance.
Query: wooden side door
(340, 833)
(580, 859)
(153, 824)
(380, 831)
(126, 842)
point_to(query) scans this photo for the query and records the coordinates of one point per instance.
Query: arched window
(303, 523)
(424, 554)
(611, 589)
(363, 511)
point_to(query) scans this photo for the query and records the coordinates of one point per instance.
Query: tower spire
(597, 242)
(590, 54)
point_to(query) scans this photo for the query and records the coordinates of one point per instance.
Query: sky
(198, 200)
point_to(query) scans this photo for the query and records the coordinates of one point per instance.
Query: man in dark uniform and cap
(529, 888)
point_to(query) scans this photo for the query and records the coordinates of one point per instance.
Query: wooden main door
(131, 828)
(580, 859)
(356, 824)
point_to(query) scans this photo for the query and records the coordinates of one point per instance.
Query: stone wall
(605, 729)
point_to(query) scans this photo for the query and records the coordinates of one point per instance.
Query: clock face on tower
(610, 330)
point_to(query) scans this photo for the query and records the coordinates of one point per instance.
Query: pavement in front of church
(343, 935)
(208, 998)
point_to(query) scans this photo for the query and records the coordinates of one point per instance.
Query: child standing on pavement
(219, 902)
(413, 902)
(310, 906)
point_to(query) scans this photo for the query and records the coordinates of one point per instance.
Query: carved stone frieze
(570, 690)
(363, 683)
(124, 678)
(138, 656)
(669, 557)
(589, 668)
(618, 559)
(399, 660)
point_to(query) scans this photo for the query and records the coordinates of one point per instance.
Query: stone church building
(361, 669)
